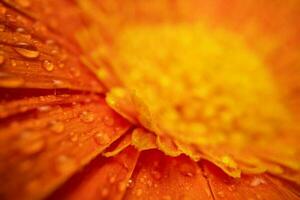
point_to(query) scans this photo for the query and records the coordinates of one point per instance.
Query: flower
(149, 100)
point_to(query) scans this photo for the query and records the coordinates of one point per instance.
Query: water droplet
(231, 188)
(61, 65)
(20, 30)
(139, 192)
(130, 183)
(13, 63)
(26, 50)
(149, 183)
(142, 180)
(58, 83)
(221, 194)
(10, 80)
(112, 179)
(50, 42)
(48, 66)
(109, 121)
(101, 138)
(104, 192)
(57, 127)
(44, 108)
(54, 51)
(31, 143)
(87, 117)
(156, 174)
(122, 186)
(75, 71)
(74, 138)
(65, 164)
(187, 170)
(2, 59)
(257, 181)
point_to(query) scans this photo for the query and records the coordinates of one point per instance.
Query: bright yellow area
(197, 85)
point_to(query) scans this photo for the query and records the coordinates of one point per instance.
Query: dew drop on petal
(44, 108)
(74, 138)
(221, 194)
(61, 65)
(13, 63)
(130, 183)
(257, 181)
(31, 143)
(65, 164)
(122, 186)
(109, 121)
(33, 148)
(156, 174)
(58, 83)
(48, 66)
(104, 192)
(75, 71)
(112, 179)
(20, 30)
(101, 138)
(57, 127)
(187, 170)
(149, 183)
(139, 192)
(231, 188)
(26, 50)
(50, 42)
(87, 117)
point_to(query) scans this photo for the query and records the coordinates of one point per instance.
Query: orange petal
(252, 187)
(45, 147)
(31, 59)
(101, 179)
(15, 102)
(119, 145)
(143, 140)
(158, 176)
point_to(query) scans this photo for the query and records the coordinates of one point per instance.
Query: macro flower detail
(149, 99)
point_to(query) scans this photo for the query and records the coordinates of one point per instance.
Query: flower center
(205, 91)
(200, 86)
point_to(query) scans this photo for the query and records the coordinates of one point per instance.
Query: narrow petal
(101, 179)
(46, 146)
(158, 176)
(34, 57)
(254, 187)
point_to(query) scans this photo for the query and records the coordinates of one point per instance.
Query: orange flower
(149, 99)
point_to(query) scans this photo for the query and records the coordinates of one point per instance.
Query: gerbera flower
(149, 99)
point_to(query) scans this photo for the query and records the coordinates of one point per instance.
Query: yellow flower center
(198, 85)
(201, 88)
